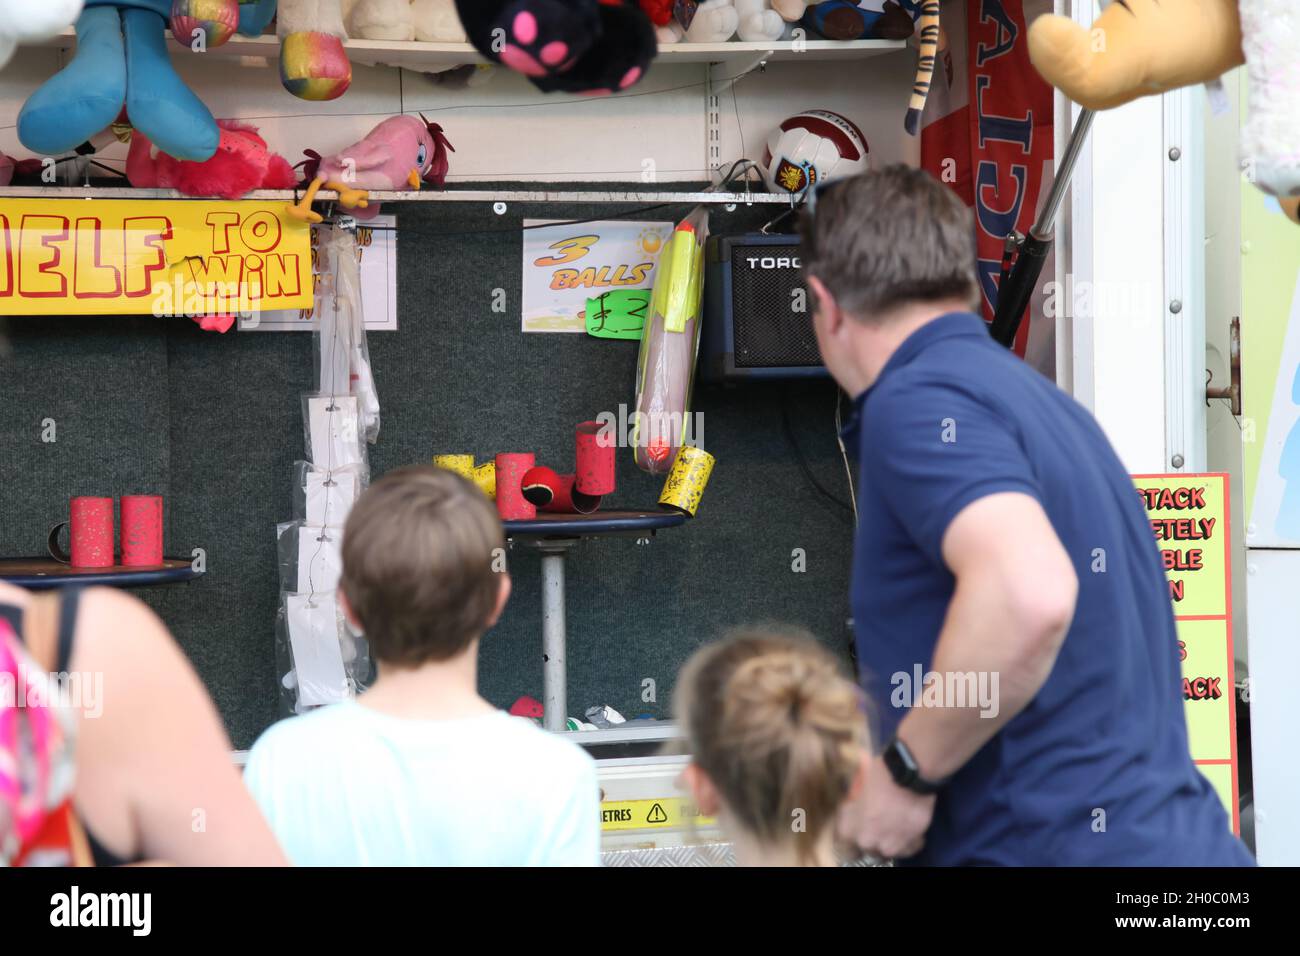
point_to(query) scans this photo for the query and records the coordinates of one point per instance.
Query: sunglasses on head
(813, 194)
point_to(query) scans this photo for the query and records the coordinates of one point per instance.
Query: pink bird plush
(400, 153)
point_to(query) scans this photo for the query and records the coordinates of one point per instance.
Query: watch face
(900, 763)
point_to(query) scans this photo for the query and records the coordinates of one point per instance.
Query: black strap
(14, 616)
(69, 599)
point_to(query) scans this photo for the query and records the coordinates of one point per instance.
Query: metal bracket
(714, 87)
(1231, 391)
(712, 124)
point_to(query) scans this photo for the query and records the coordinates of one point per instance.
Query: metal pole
(1016, 292)
(554, 691)
(1046, 224)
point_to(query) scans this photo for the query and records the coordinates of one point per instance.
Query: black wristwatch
(903, 768)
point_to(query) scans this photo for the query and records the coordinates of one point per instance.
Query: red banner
(991, 135)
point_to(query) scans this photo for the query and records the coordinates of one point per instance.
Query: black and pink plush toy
(595, 47)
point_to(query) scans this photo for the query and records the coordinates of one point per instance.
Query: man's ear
(703, 793)
(826, 304)
(503, 595)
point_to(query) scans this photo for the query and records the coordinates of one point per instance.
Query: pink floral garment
(36, 822)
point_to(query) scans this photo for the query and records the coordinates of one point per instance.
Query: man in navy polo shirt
(1013, 622)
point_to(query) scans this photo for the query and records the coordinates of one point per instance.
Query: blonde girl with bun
(777, 735)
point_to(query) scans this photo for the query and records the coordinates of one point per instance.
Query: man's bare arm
(1013, 604)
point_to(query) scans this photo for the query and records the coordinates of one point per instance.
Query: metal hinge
(1231, 391)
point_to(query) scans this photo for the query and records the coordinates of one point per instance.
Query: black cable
(803, 461)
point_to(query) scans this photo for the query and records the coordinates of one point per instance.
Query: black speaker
(757, 311)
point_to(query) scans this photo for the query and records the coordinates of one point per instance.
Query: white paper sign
(313, 623)
(377, 247)
(334, 431)
(320, 559)
(566, 265)
(329, 497)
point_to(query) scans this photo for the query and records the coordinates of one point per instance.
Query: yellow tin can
(688, 479)
(485, 476)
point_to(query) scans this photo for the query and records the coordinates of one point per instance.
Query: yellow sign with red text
(1189, 517)
(151, 257)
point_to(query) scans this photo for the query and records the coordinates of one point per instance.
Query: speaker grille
(768, 332)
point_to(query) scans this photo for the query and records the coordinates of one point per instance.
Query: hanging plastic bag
(310, 557)
(342, 346)
(323, 661)
(323, 497)
(670, 344)
(332, 430)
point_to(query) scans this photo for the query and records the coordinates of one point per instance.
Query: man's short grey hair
(891, 238)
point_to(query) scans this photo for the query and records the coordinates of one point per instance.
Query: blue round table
(42, 574)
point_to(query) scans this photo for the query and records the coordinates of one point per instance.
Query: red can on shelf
(594, 471)
(511, 503)
(142, 531)
(90, 528)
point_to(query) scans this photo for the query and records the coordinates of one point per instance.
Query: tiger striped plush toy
(880, 20)
(1142, 47)
(928, 29)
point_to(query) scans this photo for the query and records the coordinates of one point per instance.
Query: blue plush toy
(122, 60)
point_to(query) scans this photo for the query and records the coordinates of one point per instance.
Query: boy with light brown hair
(421, 770)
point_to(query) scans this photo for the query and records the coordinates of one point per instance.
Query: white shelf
(423, 56)
(427, 195)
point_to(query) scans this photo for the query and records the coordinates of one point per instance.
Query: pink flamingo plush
(400, 153)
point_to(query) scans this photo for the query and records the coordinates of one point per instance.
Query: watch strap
(905, 771)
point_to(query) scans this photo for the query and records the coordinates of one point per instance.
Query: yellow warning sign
(664, 813)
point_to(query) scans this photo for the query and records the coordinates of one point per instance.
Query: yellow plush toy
(1143, 47)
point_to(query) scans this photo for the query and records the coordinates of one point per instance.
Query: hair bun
(775, 724)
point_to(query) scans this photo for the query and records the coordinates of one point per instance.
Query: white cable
(839, 440)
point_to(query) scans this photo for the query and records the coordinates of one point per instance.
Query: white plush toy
(429, 21)
(31, 21)
(382, 20)
(671, 32)
(759, 22)
(1270, 140)
(436, 21)
(715, 22)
